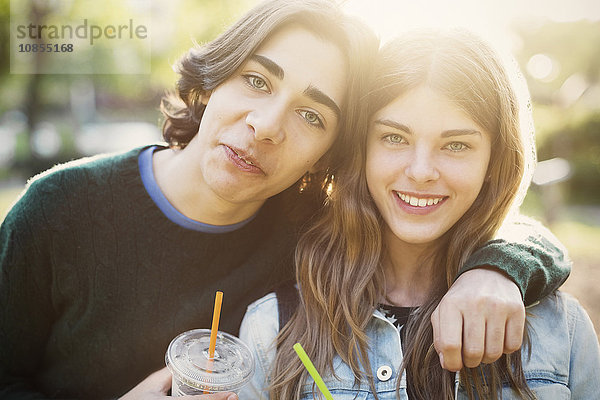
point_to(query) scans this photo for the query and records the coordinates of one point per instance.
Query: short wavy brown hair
(203, 68)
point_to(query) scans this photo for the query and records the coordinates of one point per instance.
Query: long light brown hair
(339, 259)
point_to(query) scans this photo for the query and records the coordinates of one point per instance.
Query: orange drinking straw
(213, 331)
(215, 325)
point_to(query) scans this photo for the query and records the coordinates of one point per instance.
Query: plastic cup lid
(231, 368)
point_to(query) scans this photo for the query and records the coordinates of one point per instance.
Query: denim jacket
(564, 362)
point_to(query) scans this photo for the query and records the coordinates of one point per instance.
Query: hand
(157, 385)
(481, 316)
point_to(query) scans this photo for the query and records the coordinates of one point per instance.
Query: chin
(418, 238)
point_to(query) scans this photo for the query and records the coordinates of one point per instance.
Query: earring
(305, 181)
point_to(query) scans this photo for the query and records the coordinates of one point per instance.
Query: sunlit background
(51, 118)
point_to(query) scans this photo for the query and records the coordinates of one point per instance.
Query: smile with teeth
(419, 202)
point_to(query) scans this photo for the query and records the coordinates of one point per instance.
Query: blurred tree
(4, 39)
(563, 73)
(578, 140)
(572, 47)
(173, 27)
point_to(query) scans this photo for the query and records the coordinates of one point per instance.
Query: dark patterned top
(396, 315)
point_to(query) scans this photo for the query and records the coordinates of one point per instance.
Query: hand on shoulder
(481, 317)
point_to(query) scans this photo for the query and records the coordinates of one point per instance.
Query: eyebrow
(311, 91)
(444, 134)
(393, 124)
(320, 97)
(269, 64)
(460, 132)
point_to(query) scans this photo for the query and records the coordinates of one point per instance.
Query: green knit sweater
(95, 281)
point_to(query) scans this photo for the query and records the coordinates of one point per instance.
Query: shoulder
(95, 170)
(260, 325)
(578, 320)
(552, 312)
(558, 306)
(65, 186)
(264, 311)
(87, 166)
(563, 348)
(521, 230)
(259, 330)
(557, 325)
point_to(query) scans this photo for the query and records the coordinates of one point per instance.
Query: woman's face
(426, 163)
(272, 120)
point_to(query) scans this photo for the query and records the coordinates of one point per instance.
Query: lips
(420, 204)
(420, 201)
(243, 160)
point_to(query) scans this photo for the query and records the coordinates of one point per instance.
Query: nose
(267, 124)
(422, 167)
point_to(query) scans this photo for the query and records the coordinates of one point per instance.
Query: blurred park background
(47, 119)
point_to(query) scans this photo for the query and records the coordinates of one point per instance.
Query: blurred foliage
(175, 26)
(575, 46)
(578, 140)
(567, 101)
(4, 40)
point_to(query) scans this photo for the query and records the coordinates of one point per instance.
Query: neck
(408, 271)
(186, 190)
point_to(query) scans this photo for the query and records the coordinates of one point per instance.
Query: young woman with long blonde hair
(446, 158)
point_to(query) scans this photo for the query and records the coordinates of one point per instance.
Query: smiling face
(426, 163)
(272, 120)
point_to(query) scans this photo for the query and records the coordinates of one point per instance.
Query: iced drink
(195, 373)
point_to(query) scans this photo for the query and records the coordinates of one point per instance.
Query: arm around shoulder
(529, 254)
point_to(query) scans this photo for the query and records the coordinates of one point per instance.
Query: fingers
(494, 341)
(481, 317)
(159, 381)
(447, 336)
(515, 327)
(474, 329)
(155, 386)
(497, 329)
(504, 331)
(468, 340)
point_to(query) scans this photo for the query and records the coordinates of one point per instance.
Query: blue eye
(312, 118)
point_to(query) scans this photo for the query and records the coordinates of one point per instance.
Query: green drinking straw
(312, 371)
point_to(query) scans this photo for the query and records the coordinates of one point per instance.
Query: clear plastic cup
(194, 373)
